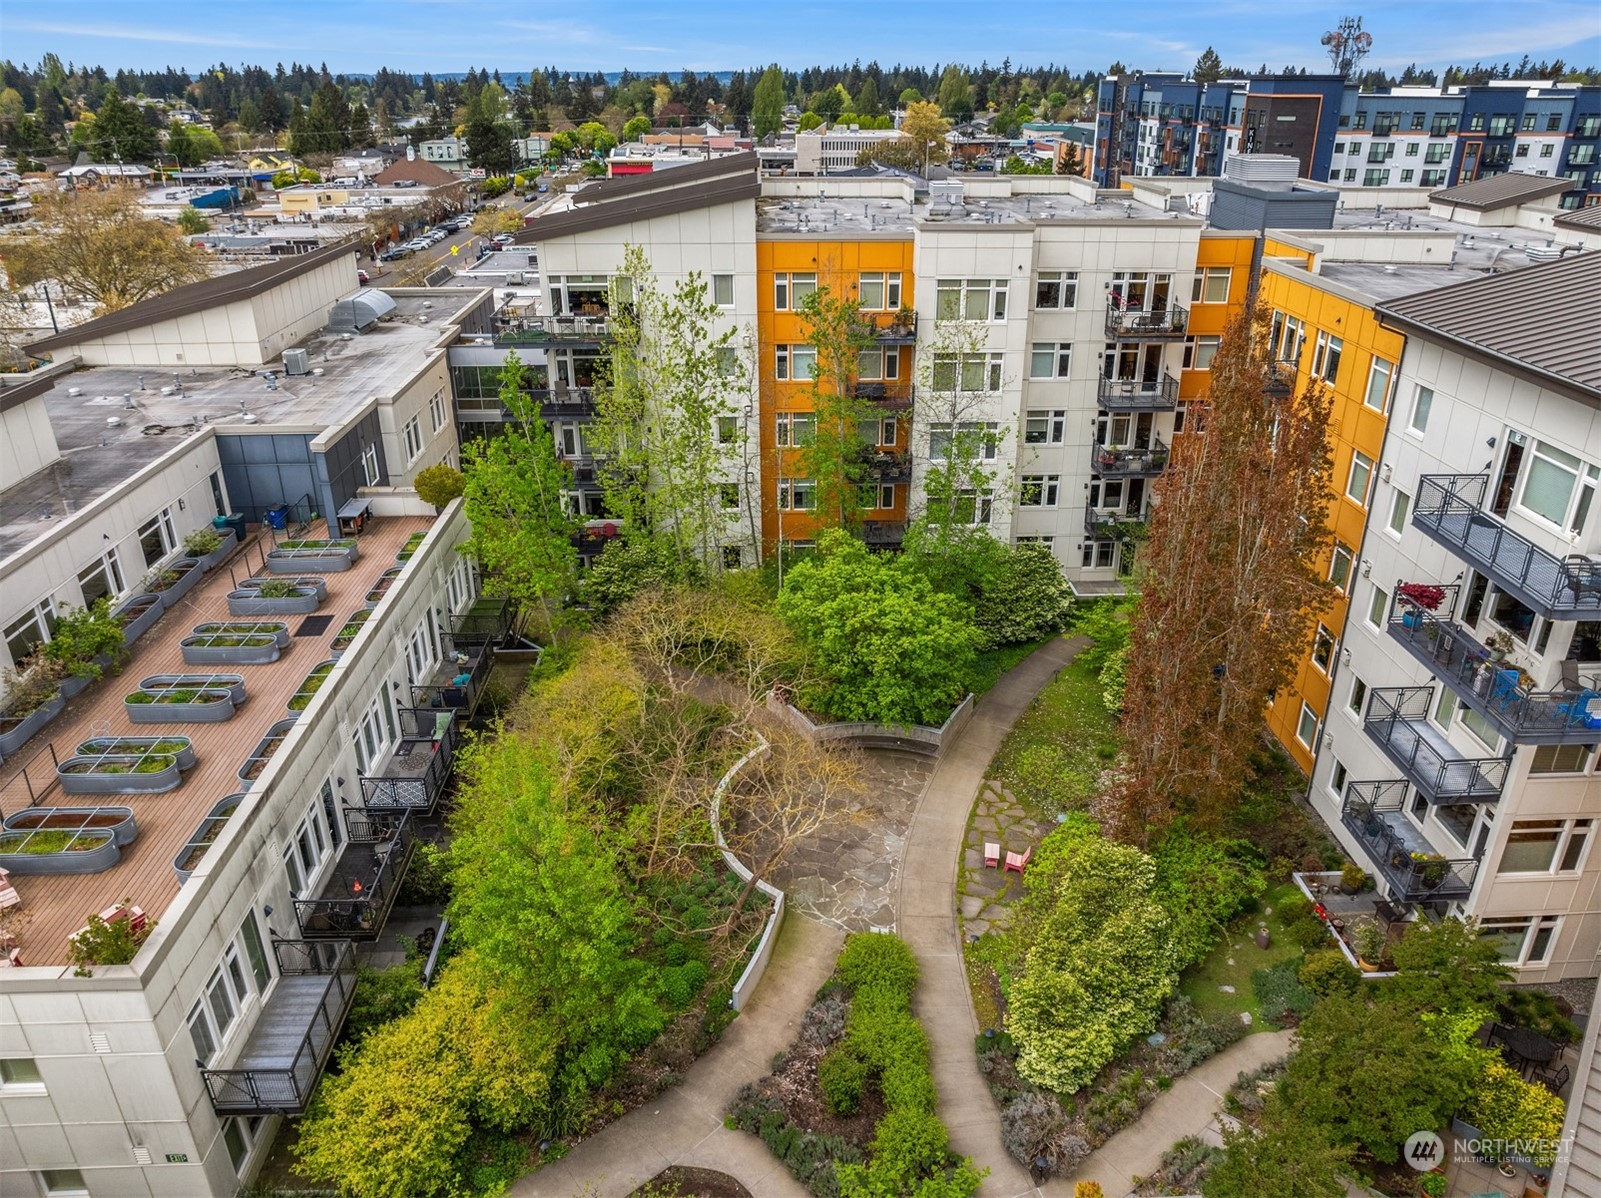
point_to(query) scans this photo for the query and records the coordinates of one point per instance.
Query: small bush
(841, 1074)
(1302, 923)
(876, 962)
(824, 1021)
(1035, 1127)
(681, 983)
(1327, 972)
(201, 542)
(1280, 994)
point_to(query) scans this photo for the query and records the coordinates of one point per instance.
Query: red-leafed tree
(1229, 588)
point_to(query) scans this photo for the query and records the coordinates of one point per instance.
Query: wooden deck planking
(56, 906)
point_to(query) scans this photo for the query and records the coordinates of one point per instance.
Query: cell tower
(1347, 45)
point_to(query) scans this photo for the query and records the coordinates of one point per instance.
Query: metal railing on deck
(371, 864)
(1398, 719)
(1373, 813)
(1123, 321)
(432, 732)
(1138, 395)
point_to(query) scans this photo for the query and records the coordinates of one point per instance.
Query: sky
(359, 36)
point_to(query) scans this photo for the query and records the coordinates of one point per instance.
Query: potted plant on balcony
(1500, 644)
(208, 546)
(1417, 598)
(1367, 939)
(1431, 868)
(1352, 878)
(33, 699)
(85, 640)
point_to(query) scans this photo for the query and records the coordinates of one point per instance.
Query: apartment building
(294, 788)
(1392, 138)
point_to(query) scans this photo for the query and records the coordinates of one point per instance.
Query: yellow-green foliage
(393, 1123)
(1505, 1107)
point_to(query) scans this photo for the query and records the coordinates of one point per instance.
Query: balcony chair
(1018, 861)
(1584, 711)
(1504, 691)
(1553, 1079)
(992, 855)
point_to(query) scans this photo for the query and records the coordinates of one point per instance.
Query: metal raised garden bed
(302, 697)
(234, 684)
(386, 580)
(347, 633)
(188, 571)
(180, 747)
(230, 649)
(178, 706)
(411, 546)
(15, 730)
(137, 615)
(190, 856)
(119, 774)
(58, 852)
(264, 751)
(118, 821)
(313, 582)
(254, 603)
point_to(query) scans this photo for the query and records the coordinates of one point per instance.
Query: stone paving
(987, 893)
(847, 877)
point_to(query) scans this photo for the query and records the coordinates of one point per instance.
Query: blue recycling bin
(278, 517)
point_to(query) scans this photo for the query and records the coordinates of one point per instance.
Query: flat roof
(814, 214)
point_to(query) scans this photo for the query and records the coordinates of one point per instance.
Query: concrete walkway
(685, 1125)
(926, 907)
(1192, 1107)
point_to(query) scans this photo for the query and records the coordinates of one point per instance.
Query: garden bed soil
(685, 1181)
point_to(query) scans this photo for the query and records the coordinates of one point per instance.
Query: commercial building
(278, 826)
(831, 148)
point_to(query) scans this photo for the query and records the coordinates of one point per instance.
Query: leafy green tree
(521, 524)
(120, 132)
(925, 125)
(955, 95)
(1290, 1155)
(829, 102)
(636, 128)
(1445, 966)
(625, 568)
(890, 648)
(439, 484)
(909, 96)
(489, 139)
(1096, 961)
(191, 221)
(836, 456)
(1203, 883)
(963, 477)
(810, 121)
(767, 103)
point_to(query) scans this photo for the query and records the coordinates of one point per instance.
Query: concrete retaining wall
(748, 980)
(917, 738)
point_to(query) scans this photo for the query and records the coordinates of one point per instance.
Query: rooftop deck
(56, 905)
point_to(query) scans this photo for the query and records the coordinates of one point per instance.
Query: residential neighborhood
(862, 631)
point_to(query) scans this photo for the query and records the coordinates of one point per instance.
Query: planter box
(98, 853)
(211, 560)
(306, 581)
(409, 549)
(189, 573)
(94, 776)
(118, 821)
(312, 684)
(234, 684)
(14, 733)
(73, 685)
(197, 653)
(250, 603)
(273, 628)
(215, 708)
(312, 561)
(177, 746)
(386, 581)
(192, 853)
(265, 749)
(145, 609)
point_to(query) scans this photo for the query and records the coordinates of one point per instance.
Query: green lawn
(1055, 753)
(1201, 982)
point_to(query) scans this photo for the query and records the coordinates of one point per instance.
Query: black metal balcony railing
(1113, 462)
(888, 465)
(416, 773)
(457, 683)
(486, 622)
(1139, 324)
(892, 328)
(883, 532)
(1138, 395)
(890, 395)
(1500, 693)
(1450, 509)
(1108, 526)
(1280, 378)
(357, 897)
(565, 403)
(1415, 872)
(563, 330)
(283, 1057)
(595, 535)
(1398, 721)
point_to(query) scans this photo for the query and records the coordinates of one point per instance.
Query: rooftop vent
(360, 312)
(295, 362)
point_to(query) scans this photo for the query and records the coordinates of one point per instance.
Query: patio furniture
(992, 854)
(1552, 1079)
(1583, 711)
(1505, 691)
(1018, 861)
(1527, 1048)
(8, 893)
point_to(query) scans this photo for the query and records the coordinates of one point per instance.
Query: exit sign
(177, 1158)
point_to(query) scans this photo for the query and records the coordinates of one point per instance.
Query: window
(19, 1075)
(157, 537)
(1306, 727)
(1378, 607)
(413, 438)
(1551, 483)
(1400, 504)
(1338, 776)
(795, 363)
(1411, 150)
(1045, 428)
(240, 1137)
(878, 363)
(1356, 486)
(727, 361)
(970, 439)
(309, 844)
(369, 464)
(1421, 403)
(1326, 357)
(1560, 759)
(1039, 490)
(1211, 285)
(1432, 179)
(1476, 123)
(1050, 360)
(882, 496)
(1523, 940)
(790, 290)
(1378, 392)
(967, 372)
(1199, 352)
(31, 629)
(1522, 151)
(250, 936)
(63, 1181)
(723, 290)
(1323, 649)
(1340, 566)
(374, 734)
(728, 496)
(1540, 846)
(1350, 174)
(1358, 697)
(795, 429)
(797, 494)
(970, 299)
(1375, 177)
(1545, 150)
(1099, 555)
(972, 507)
(879, 291)
(1288, 336)
(200, 1033)
(1056, 289)
(436, 411)
(727, 430)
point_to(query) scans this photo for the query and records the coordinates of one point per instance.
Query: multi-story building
(280, 833)
(831, 148)
(1395, 138)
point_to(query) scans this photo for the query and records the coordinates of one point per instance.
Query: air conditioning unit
(296, 362)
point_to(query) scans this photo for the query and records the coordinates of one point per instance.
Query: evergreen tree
(767, 104)
(120, 132)
(955, 96)
(1208, 67)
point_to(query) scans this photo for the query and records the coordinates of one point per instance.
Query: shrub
(201, 542)
(100, 942)
(841, 1074)
(681, 983)
(1027, 599)
(824, 1021)
(81, 634)
(1280, 994)
(1352, 877)
(439, 484)
(1302, 924)
(427, 881)
(1505, 1107)
(1034, 1126)
(1327, 972)
(876, 962)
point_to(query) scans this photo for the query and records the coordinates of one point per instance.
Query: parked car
(363, 277)
(543, 188)
(503, 238)
(398, 252)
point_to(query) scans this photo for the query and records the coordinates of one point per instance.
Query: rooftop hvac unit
(295, 362)
(360, 312)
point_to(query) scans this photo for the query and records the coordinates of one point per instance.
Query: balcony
(283, 1057)
(595, 535)
(892, 328)
(1498, 692)
(566, 331)
(883, 534)
(1137, 324)
(486, 622)
(1113, 462)
(1111, 526)
(1138, 395)
(890, 395)
(1280, 378)
(416, 773)
(1397, 720)
(1449, 510)
(887, 465)
(357, 897)
(565, 403)
(1408, 863)
(457, 683)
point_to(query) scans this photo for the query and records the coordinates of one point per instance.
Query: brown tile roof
(1499, 191)
(424, 174)
(1541, 321)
